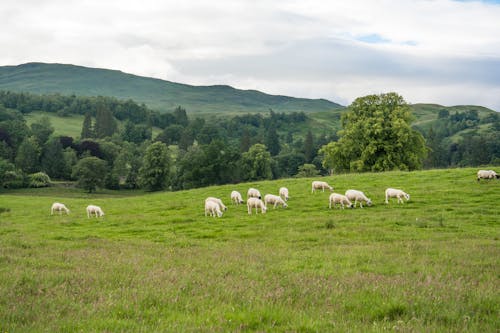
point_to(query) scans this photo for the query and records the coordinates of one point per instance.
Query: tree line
(116, 148)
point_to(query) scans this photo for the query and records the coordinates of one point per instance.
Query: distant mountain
(41, 78)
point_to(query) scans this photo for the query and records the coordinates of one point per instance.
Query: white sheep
(358, 196)
(213, 208)
(316, 185)
(274, 200)
(218, 201)
(253, 193)
(342, 200)
(91, 209)
(256, 203)
(284, 193)
(487, 174)
(58, 207)
(395, 193)
(236, 198)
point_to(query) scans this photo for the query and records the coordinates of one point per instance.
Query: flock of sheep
(215, 207)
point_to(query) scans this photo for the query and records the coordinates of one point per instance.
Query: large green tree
(256, 163)
(155, 170)
(376, 136)
(28, 156)
(90, 173)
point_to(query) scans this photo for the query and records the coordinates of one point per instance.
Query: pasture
(154, 262)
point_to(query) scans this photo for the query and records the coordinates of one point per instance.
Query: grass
(156, 263)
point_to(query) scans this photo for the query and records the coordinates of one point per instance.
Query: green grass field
(155, 263)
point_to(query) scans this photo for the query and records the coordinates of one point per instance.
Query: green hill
(158, 94)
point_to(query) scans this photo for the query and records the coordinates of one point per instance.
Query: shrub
(39, 179)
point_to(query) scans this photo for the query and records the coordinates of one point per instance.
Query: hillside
(155, 263)
(41, 78)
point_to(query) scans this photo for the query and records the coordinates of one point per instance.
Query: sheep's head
(368, 202)
(407, 196)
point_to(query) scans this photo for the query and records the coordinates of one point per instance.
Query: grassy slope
(157, 94)
(156, 263)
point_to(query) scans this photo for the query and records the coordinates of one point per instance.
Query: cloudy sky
(433, 51)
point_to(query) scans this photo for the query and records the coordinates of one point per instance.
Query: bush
(39, 179)
(13, 179)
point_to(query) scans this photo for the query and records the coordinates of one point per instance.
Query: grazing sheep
(316, 185)
(236, 198)
(356, 196)
(336, 198)
(91, 209)
(284, 193)
(213, 208)
(218, 201)
(256, 203)
(253, 193)
(274, 200)
(58, 207)
(487, 174)
(395, 193)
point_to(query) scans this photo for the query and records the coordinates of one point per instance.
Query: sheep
(316, 185)
(275, 200)
(91, 209)
(357, 196)
(395, 193)
(213, 208)
(253, 193)
(218, 201)
(487, 174)
(336, 198)
(284, 193)
(236, 198)
(256, 203)
(58, 207)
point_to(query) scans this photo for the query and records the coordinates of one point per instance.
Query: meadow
(155, 263)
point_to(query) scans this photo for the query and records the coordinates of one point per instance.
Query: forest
(117, 149)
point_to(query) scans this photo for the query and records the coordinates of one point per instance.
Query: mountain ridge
(158, 94)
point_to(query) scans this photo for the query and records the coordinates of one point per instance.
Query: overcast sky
(432, 51)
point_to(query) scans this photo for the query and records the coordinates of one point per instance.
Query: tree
(87, 130)
(376, 136)
(256, 163)
(272, 141)
(53, 158)
(105, 124)
(42, 129)
(5, 168)
(28, 154)
(180, 116)
(153, 175)
(309, 147)
(90, 173)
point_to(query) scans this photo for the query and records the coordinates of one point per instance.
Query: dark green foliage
(288, 163)
(28, 154)
(52, 159)
(90, 173)
(309, 151)
(5, 167)
(42, 129)
(105, 124)
(136, 133)
(155, 170)
(272, 141)
(308, 170)
(171, 134)
(376, 136)
(39, 179)
(256, 163)
(87, 129)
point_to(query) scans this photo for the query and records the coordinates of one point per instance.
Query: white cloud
(438, 51)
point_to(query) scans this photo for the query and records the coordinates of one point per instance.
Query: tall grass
(156, 263)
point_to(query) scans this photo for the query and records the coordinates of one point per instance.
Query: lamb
(275, 200)
(236, 198)
(256, 203)
(91, 209)
(395, 193)
(253, 193)
(218, 201)
(316, 185)
(357, 196)
(284, 193)
(487, 174)
(336, 198)
(213, 208)
(58, 207)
